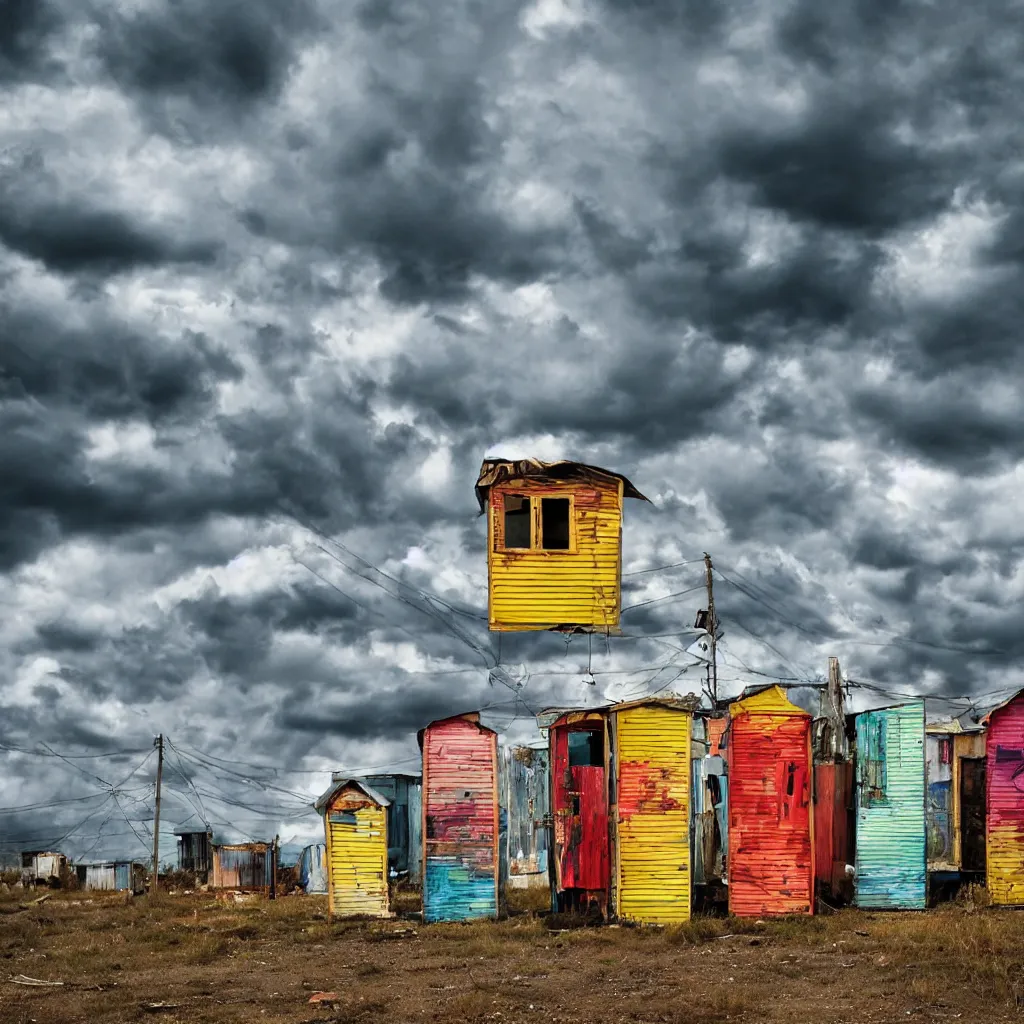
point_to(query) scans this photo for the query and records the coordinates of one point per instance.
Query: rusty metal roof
(497, 471)
(339, 784)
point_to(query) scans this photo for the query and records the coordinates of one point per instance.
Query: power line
(661, 568)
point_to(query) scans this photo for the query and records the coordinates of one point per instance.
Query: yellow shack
(554, 544)
(651, 815)
(356, 829)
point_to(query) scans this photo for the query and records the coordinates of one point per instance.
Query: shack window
(554, 524)
(586, 749)
(946, 751)
(517, 521)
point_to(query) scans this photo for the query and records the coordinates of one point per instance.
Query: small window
(586, 750)
(554, 524)
(946, 751)
(517, 521)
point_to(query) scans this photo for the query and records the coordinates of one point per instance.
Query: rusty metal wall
(248, 866)
(538, 589)
(460, 835)
(771, 851)
(1005, 804)
(652, 763)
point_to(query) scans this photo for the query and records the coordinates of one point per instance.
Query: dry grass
(225, 962)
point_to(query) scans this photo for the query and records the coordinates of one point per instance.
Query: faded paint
(404, 810)
(771, 849)
(652, 814)
(248, 866)
(525, 796)
(579, 800)
(460, 811)
(313, 869)
(938, 749)
(833, 849)
(1005, 803)
(356, 830)
(891, 861)
(534, 586)
(111, 876)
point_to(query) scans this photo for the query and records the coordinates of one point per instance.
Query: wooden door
(972, 814)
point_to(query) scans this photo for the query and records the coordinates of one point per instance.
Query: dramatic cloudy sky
(278, 275)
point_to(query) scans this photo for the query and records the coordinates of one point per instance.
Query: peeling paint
(461, 828)
(891, 847)
(771, 852)
(1005, 803)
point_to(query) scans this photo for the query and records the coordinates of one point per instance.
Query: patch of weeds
(206, 949)
(243, 932)
(695, 932)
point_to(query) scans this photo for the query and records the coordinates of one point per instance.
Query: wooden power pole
(159, 744)
(713, 630)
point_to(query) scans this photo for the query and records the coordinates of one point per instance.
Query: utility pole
(159, 744)
(713, 629)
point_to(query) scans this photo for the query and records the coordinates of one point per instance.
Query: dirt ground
(191, 958)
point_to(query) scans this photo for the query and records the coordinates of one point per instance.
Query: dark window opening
(517, 521)
(575, 802)
(586, 750)
(554, 524)
(791, 778)
(1006, 754)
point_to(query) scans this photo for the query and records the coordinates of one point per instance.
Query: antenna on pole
(713, 631)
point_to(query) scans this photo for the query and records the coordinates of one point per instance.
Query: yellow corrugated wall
(653, 815)
(357, 855)
(536, 589)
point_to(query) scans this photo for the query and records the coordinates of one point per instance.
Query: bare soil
(195, 958)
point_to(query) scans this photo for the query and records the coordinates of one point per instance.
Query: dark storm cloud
(26, 30)
(232, 52)
(842, 167)
(70, 239)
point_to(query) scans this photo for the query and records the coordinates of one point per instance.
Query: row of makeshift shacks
(645, 810)
(39, 867)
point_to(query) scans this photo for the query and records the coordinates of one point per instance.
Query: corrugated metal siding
(98, 877)
(416, 835)
(357, 852)
(525, 796)
(580, 808)
(313, 869)
(771, 856)
(653, 820)
(891, 866)
(243, 866)
(539, 589)
(1005, 805)
(461, 811)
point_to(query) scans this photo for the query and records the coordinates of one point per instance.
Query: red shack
(771, 850)
(579, 802)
